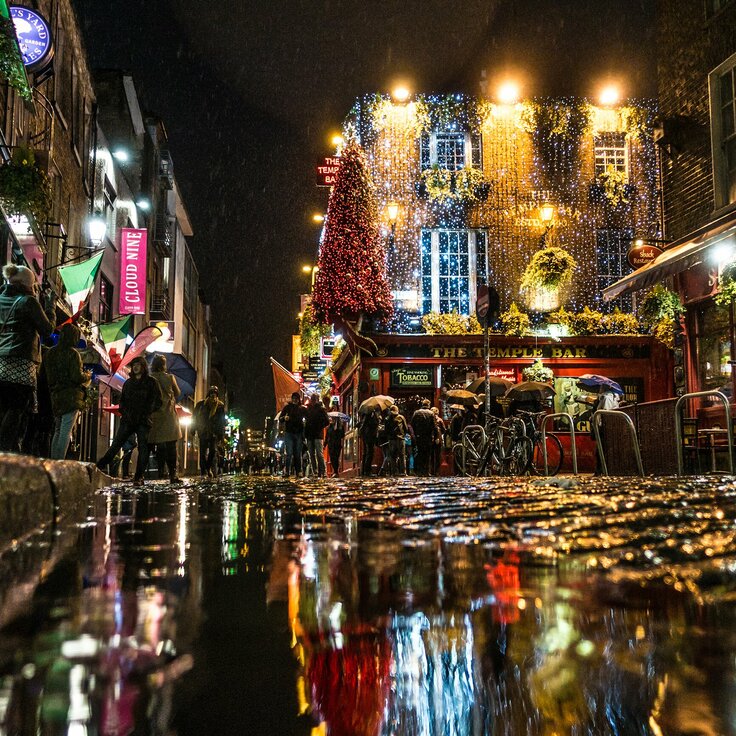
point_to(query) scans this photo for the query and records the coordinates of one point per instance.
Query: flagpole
(91, 254)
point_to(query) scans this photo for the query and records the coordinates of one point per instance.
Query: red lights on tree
(351, 280)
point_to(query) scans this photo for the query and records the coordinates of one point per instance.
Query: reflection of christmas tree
(351, 281)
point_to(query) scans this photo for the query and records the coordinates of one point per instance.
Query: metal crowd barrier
(573, 449)
(596, 419)
(678, 425)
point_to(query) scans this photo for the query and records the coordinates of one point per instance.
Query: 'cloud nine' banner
(133, 246)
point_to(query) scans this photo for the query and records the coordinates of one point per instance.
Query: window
(610, 153)
(108, 206)
(451, 150)
(723, 131)
(450, 269)
(714, 346)
(106, 292)
(612, 247)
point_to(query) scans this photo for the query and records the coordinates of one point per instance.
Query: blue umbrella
(185, 375)
(593, 380)
(338, 415)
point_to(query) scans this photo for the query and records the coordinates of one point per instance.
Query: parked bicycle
(532, 422)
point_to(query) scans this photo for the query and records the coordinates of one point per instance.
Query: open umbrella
(593, 380)
(499, 386)
(461, 396)
(179, 367)
(181, 411)
(338, 415)
(530, 390)
(379, 402)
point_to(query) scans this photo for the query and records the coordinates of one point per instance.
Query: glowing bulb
(393, 211)
(400, 93)
(546, 212)
(508, 93)
(318, 218)
(610, 95)
(337, 140)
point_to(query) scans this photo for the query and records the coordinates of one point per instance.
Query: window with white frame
(450, 149)
(453, 264)
(612, 248)
(610, 153)
(723, 131)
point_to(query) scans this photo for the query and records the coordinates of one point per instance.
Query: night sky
(251, 90)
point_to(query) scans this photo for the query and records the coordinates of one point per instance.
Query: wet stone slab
(379, 607)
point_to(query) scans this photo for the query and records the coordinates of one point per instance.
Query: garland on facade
(24, 187)
(11, 65)
(549, 268)
(661, 311)
(726, 286)
(592, 322)
(466, 185)
(436, 323)
(514, 322)
(614, 187)
(351, 280)
(537, 371)
(311, 331)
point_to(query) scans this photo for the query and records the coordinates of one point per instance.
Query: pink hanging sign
(133, 243)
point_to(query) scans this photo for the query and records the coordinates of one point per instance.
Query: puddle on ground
(417, 607)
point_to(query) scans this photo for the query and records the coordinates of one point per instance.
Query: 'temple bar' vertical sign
(133, 245)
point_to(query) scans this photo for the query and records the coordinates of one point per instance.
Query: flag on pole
(116, 336)
(79, 280)
(284, 384)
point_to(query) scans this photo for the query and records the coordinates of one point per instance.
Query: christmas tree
(351, 280)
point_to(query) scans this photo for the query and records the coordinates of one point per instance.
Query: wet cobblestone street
(379, 607)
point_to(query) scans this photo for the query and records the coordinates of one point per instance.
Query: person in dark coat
(396, 430)
(291, 421)
(140, 397)
(209, 422)
(23, 323)
(368, 430)
(425, 430)
(440, 430)
(335, 436)
(315, 422)
(68, 383)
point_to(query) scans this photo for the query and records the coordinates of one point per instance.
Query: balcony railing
(163, 233)
(160, 305)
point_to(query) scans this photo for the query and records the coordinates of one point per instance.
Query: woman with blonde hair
(165, 430)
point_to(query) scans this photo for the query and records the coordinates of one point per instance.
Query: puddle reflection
(246, 607)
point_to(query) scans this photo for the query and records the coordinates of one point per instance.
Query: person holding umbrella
(335, 436)
(139, 399)
(315, 422)
(165, 430)
(291, 421)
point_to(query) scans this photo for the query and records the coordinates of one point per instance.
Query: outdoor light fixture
(508, 93)
(400, 93)
(318, 218)
(96, 229)
(723, 253)
(338, 141)
(393, 212)
(546, 212)
(609, 95)
(143, 204)
(307, 269)
(121, 155)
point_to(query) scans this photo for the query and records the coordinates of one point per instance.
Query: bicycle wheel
(472, 460)
(554, 455)
(519, 456)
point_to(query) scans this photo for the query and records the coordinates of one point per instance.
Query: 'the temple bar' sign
(327, 171)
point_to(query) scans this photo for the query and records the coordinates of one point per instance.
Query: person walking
(335, 436)
(67, 382)
(396, 429)
(139, 399)
(438, 441)
(424, 426)
(23, 323)
(291, 422)
(165, 430)
(315, 422)
(209, 422)
(368, 430)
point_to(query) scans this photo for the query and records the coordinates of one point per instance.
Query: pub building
(468, 191)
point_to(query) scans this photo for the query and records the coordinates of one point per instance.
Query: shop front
(414, 367)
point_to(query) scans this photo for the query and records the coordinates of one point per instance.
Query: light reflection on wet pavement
(410, 608)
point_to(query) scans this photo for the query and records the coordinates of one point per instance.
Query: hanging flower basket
(24, 187)
(539, 372)
(467, 185)
(550, 269)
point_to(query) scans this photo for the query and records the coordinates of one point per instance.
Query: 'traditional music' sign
(412, 377)
(133, 245)
(33, 34)
(327, 171)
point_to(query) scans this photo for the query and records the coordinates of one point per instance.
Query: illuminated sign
(412, 378)
(33, 34)
(642, 255)
(133, 246)
(327, 171)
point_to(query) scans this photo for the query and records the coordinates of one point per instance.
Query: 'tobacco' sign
(133, 246)
(327, 171)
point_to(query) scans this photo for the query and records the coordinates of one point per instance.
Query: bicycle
(508, 450)
(555, 454)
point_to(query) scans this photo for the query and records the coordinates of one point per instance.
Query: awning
(679, 257)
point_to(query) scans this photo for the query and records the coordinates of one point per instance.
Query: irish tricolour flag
(79, 280)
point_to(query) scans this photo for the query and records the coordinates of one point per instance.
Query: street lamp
(609, 95)
(96, 228)
(508, 93)
(393, 212)
(317, 217)
(400, 93)
(313, 270)
(546, 215)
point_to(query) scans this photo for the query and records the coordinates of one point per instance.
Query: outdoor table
(710, 435)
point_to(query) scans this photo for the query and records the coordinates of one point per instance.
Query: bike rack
(597, 416)
(573, 449)
(471, 429)
(678, 425)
